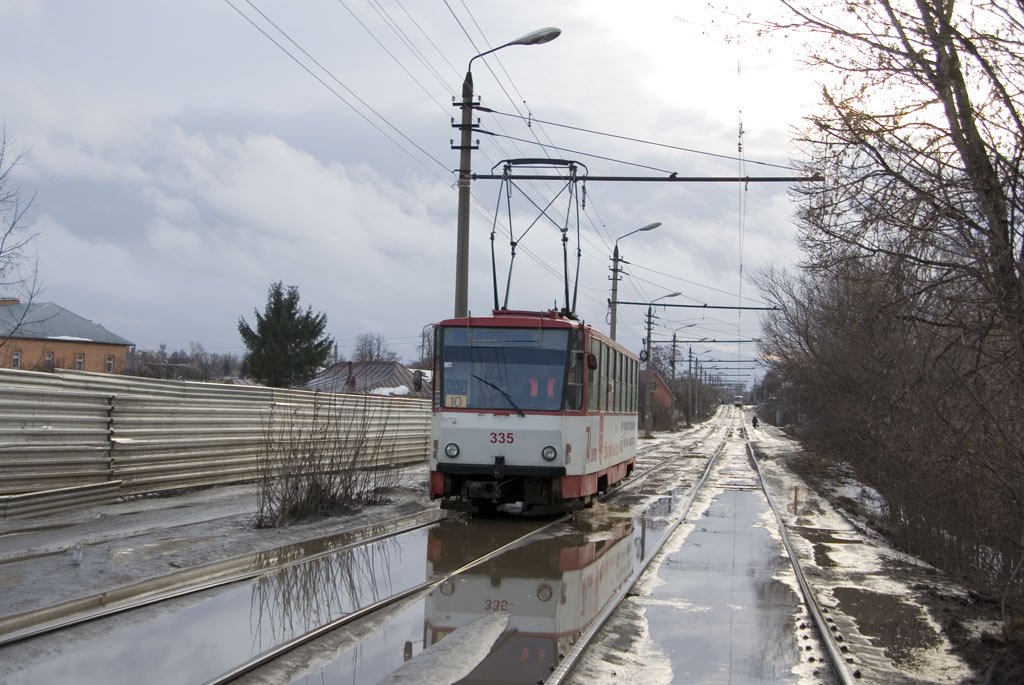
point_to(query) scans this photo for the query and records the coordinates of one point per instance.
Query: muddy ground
(997, 659)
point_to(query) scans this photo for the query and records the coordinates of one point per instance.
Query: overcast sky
(181, 161)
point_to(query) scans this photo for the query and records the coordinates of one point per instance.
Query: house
(661, 398)
(371, 378)
(42, 336)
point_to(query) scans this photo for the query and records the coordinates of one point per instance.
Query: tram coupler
(483, 489)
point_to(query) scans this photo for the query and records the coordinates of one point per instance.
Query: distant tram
(533, 413)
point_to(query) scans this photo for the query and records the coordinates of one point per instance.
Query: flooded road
(543, 595)
(720, 604)
(716, 608)
(718, 614)
(195, 638)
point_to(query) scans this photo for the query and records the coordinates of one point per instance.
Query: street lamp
(465, 147)
(615, 272)
(649, 419)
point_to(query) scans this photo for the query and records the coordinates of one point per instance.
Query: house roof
(48, 321)
(644, 374)
(369, 378)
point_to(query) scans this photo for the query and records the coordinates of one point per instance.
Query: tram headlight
(549, 453)
(544, 592)
(447, 588)
(451, 449)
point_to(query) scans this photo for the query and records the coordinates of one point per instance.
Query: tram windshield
(504, 368)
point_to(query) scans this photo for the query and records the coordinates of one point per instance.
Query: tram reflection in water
(552, 589)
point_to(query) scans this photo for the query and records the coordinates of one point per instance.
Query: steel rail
(568, 662)
(21, 636)
(835, 652)
(284, 648)
(639, 476)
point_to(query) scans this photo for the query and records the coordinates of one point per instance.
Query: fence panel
(70, 438)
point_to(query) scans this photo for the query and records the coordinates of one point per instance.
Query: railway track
(661, 469)
(735, 475)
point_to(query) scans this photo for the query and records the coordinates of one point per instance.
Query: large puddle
(196, 638)
(719, 615)
(551, 589)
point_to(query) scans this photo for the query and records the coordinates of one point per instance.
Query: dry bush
(329, 457)
(926, 413)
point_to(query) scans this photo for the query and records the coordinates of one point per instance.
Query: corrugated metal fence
(72, 438)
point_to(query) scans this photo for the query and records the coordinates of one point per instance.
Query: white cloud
(176, 184)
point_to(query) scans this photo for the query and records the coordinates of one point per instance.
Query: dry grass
(322, 459)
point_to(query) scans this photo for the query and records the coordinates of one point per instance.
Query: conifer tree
(288, 345)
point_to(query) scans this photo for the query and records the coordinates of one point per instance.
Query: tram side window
(603, 365)
(636, 387)
(620, 385)
(594, 377)
(574, 378)
(616, 396)
(631, 382)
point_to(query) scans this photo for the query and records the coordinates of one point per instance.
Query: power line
(392, 56)
(641, 140)
(336, 80)
(404, 38)
(577, 152)
(700, 285)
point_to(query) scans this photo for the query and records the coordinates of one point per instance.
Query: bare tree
(18, 266)
(372, 347)
(903, 335)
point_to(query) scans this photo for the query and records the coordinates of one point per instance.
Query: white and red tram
(533, 413)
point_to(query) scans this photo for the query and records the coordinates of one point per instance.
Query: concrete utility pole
(465, 148)
(689, 388)
(649, 418)
(672, 388)
(613, 304)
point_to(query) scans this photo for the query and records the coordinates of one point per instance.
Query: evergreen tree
(288, 346)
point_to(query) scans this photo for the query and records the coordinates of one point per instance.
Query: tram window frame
(574, 372)
(620, 382)
(615, 355)
(595, 380)
(631, 386)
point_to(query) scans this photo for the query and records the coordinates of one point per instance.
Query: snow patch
(454, 657)
(397, 391)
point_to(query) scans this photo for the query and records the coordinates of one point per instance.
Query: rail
(73, 438)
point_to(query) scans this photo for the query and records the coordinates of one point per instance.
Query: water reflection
(301, 597)
(195, 638)
(552, 589)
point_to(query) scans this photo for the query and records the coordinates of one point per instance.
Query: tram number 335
(502, 438)
(495, 605)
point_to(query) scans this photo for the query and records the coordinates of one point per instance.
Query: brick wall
(64, 355)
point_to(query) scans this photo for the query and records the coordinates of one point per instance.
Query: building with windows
(661, 398)
(42, 336)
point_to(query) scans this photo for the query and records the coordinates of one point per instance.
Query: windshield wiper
(503, 393)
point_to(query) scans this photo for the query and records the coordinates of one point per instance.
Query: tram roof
(512, 318)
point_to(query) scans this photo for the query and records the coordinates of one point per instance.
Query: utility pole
(675, 413)
(649, 418)
(689, 388)
(696, 392)
(465, 147)
(613, 305)
(462, 236)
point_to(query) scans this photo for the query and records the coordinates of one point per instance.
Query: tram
(533, 413)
